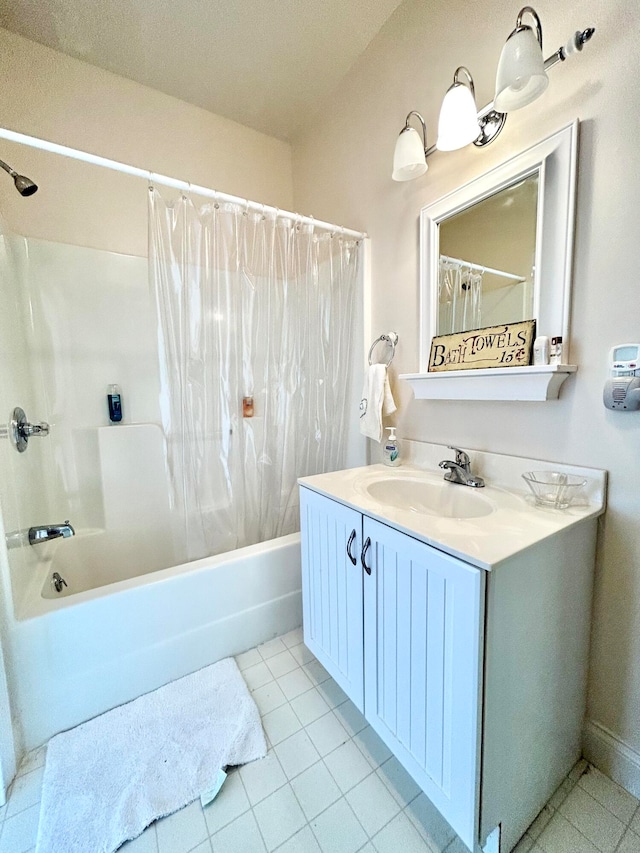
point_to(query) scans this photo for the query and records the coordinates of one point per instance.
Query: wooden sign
(509, 345)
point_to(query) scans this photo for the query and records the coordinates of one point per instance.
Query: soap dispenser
(391, 449)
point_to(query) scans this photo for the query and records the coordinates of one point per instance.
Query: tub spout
(50, 531)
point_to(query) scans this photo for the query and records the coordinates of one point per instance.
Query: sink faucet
(460, 470)
(50, 531)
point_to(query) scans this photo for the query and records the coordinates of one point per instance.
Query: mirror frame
(555, 161)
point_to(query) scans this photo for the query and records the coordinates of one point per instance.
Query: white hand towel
(377, 400)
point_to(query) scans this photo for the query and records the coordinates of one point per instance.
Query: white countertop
(513, 524)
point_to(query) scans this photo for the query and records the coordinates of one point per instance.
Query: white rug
(108, 779)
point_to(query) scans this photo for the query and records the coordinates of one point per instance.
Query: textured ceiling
(263, 63)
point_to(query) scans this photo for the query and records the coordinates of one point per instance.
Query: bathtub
(85, 651)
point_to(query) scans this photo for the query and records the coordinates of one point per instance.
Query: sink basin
(440, 499)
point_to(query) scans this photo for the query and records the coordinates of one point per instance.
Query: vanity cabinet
(474, 678)
(398, 625)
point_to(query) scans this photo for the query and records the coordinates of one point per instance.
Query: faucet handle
(462, 458)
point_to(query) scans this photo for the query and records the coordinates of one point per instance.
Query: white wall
(342, 172)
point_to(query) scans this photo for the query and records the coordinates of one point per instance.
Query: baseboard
(612, 756)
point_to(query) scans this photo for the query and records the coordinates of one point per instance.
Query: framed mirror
(499, 249)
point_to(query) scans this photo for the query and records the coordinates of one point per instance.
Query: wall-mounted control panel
(622, 389)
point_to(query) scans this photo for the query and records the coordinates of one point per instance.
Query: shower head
(25, 186)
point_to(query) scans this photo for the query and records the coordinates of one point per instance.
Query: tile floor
(329, 785)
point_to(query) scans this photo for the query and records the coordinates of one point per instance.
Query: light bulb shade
(521, 77)
(409, 160)
(458, 123)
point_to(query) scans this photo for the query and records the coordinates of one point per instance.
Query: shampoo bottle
(391, 449)
(114, 403)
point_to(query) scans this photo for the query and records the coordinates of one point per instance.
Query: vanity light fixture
(458, 124)
(410, 156)
(521, 78)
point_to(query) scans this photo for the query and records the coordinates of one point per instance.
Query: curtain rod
(500, 273)
(154, 177)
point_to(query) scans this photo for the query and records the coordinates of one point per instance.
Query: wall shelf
(535, 382)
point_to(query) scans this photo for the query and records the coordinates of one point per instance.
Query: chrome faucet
(50, 531)
(460, 470)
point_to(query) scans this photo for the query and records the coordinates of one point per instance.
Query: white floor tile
(293, 638)
(348, 766)
(332, 694)
(315, 789)
(401, 786)
(33, 760)
(271, 648)
(25, 791)
(302, 842)
(593, 820)
(373, 749)
(350, 717)
(327, 733)
(635, 822)
(618, 801)
(372, 804)
(338, 830)
(309, 706)
(145, 843)
(296, 754)
(247, 659)
(400, 836)
(269, 697)
(256, 676)
(429, 823)
(524, 845)
(279, 817)
(231, 802)
(541, 821)
(262, 777)
(19, 832)
(630, 843)
(560, 836)
(205, 847)
(301, 653)
(316, 672)
(281, 724)
(182, 831)
(294, 683)
(282, 664)
(241, 836)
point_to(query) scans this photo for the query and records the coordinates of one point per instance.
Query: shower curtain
(254, 321)
(460, 297)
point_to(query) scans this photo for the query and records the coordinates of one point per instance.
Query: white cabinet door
(423, 641)
(332, 605)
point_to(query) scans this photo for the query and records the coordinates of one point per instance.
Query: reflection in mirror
(487, 260)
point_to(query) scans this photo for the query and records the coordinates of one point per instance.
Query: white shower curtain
(254, 306)
(460, 297)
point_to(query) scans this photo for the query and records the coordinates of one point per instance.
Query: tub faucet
(50, 531)
(460, 470)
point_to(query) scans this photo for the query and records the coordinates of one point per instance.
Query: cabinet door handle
(365, 548)
(353, 559)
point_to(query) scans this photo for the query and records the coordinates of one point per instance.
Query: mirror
(499, 249)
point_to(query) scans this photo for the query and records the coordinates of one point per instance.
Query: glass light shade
(409, 159)
(458, 123)
(521, 77)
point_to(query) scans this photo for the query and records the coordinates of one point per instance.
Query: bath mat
(106, 780)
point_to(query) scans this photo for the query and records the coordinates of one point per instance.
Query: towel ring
(390, 338)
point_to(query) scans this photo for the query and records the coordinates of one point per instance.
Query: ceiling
(264, 63)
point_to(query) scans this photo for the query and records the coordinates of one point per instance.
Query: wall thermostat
(622, 389)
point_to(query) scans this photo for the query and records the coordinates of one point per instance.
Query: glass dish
(553, 488)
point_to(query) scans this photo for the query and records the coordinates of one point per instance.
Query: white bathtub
(82, 653)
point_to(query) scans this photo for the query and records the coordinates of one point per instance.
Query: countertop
(513, 524)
